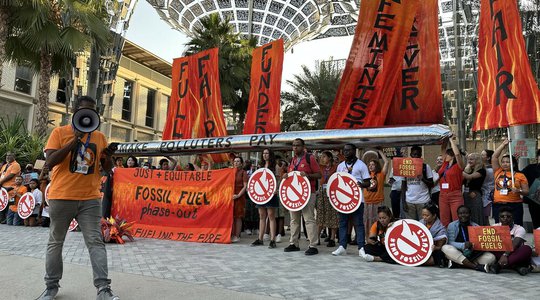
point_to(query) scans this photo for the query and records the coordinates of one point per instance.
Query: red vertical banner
(418, 94)
(264, 96)
(507, 91)
(207, 107)
(374, 62)
(178, 124)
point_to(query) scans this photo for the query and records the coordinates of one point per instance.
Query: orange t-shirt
(10, 168)
(66, 185)
(20, 190)
(377, 196)
(502, 177)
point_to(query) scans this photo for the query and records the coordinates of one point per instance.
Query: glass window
(150, 108)
(61, 91)
(126, 101)
(23, 80)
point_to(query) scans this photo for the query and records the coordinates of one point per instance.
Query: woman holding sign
(326, 214)
(239, 197)
(268, 209)
(509, 187)
(374, 194)
(450, 182)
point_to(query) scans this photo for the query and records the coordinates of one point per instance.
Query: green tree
(15, 138)
(47, 36)
(312, 98)
(234, 60)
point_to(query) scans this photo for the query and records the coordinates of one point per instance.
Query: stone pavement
(159, 269)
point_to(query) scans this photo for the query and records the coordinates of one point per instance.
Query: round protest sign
(4, 199)
(344, 193)
(261, 186)
(46, 195)
(409, 242)
(73, 225)
(26, 205)
(294, 192)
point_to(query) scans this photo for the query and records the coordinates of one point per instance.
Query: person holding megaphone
(73, 154)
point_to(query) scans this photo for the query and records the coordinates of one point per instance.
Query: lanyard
(505, 181)
(444, 172)
(83, 149)
(463, 233)
(326, 174)
(298, 162)
(5, 170)
(350, 168)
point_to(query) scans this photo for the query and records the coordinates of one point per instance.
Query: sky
(147, 30)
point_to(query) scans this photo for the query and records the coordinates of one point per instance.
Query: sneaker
(451, 265)
(257, 242)
(339, 251)
(482, 268)
(272, 245)
(105, 293)
(495, 268)
(367, 257)
(311, 251)
(331, 244)
(235, 239)
(248, 231)
(523, 270)
(291, 248)
(48, 294)
(266, 237)
(278, 238)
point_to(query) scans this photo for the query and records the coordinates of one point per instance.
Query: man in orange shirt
(16, 194)
(74, 159)
(7, 178)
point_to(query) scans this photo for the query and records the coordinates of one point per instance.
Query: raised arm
(495, 158)
(457, 153)
(386, 162)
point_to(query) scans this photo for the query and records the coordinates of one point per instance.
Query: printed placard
(261, 186)
(46, 194)
(4, 198)
(490, 238)
(295, 191)
(407, 167)
(409, 242)
(26, 205)
(344, 193)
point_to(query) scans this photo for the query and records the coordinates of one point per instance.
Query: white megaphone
(85, 120)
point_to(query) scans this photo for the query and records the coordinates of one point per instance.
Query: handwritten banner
(172, 205)
(524, 148)
(490, 238)
(264, 96)
(407, 167)
(374, 64)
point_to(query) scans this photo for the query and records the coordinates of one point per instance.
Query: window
(61, 91)
(150, 108)
(23, 80)
(126, 101)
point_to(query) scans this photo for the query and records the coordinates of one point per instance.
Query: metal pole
(459, 90)
(510, 153)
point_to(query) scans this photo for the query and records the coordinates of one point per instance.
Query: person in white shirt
(520, 257)
(416, 191)
(358, 170)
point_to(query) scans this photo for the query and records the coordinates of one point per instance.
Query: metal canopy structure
(267, 20)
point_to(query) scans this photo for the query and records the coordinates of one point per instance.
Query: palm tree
(234, 60)
(48, 35)
(313, 95)
(6, 10)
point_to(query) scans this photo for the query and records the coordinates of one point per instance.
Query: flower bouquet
(114, 229)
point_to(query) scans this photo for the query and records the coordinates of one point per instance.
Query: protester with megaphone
(73, 154)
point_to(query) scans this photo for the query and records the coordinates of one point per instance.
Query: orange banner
(374, 62)
(536, 234)
(265, 93)
(176, 205)
(490, 238)
(407, 167)
(179, 122)
(418, 95)
(209, 120)
(507, 92)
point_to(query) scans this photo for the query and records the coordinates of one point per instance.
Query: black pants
(395, 198)
(380, 251)
(534, 209)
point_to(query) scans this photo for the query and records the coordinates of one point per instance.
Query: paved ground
(157, 269)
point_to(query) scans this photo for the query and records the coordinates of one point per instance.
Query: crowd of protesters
(461, 190)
